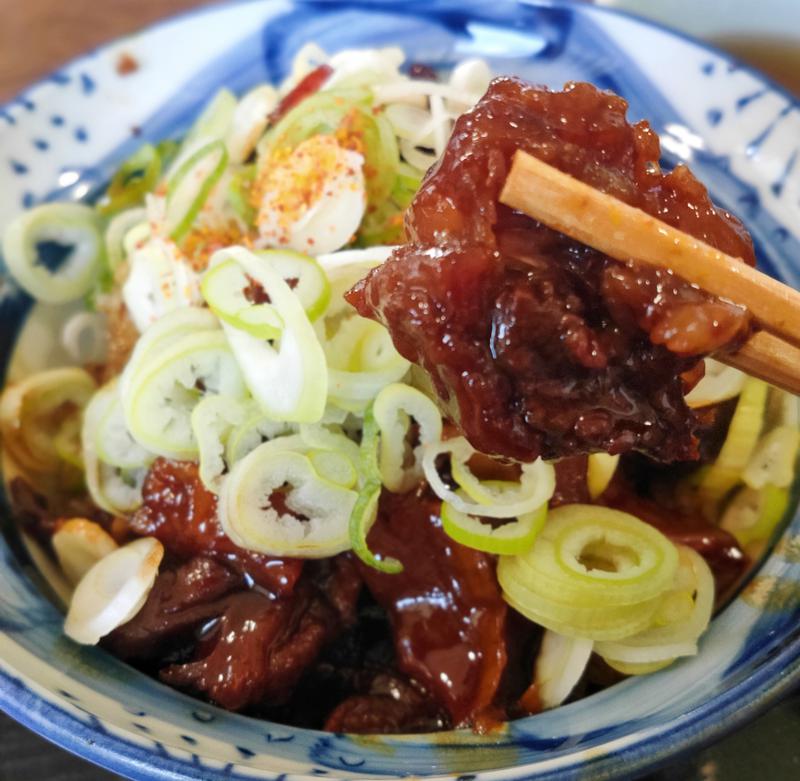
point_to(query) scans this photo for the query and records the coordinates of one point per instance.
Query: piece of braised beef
(261, 646)
(391, 705)
(447, 613)
(537, 345)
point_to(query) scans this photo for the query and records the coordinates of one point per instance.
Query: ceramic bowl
(63, 137)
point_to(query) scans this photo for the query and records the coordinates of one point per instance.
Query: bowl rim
(733, 709)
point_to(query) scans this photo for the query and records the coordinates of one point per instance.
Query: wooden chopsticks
(626, 233)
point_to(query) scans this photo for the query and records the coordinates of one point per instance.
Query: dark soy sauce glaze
(536, 344)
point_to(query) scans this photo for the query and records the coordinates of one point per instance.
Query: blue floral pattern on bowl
(64, 136)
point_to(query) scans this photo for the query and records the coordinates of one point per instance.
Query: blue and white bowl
(63, 137)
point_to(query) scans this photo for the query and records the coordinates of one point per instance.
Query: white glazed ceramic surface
(63, 137)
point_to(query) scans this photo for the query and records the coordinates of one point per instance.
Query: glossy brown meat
(183, 598)
(571, 481)
(182, 514)
(391, 706)
(446, 610)
(260, 647)
(244, 646)
(535, 344)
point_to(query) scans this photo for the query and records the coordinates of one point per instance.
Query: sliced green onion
(212, 421)
(114, 443)
(753, 514)
(600, 470)
(223, 289)
(67, 442)
(79, 544)
(334, 466)
(490, 499)
(136, 177)
(510, 539)
(677, 635)
(214, 121)
(365, 511)
(331, 439)
(592, 572)
(384, 225)
(304, 276)
(251, 521)
(160, 399)
(720, 477)
(326, 112)
(113, 591)
(241, 183)
(560, 664)
(249, 121)
(774, 459)
(256, 429)
(288, 380)
(71, 225)
(34, 412)
(167, 330)
(159, 281)
(719, 383)
(394, 407)
(117, 232)
(113, 489)
(189, 187)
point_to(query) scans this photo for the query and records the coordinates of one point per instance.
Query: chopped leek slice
(249, 121)
(393, 408)
(774, 459)
(35, 410)
(254, 431)
(490, 499)
(117, 232)
(67, 442)
(719, 383)
(326, 443)
(212, 421)
(678, 635)
(511, 538)
(160, 399)
(334, 466)
(289, 380)
(753, 514)
(365, 510)
(745, 426)
(113, 489)
(348, 112)
(599, 472)
(252, 522)
(169, 329)
(79, 544)
(159, 281)
(113, 591)
(560, 664)
(114, 443)
(66, 225)
(190, 185)
(136, 177)
(223, 288)
(304, 276)
(239, 187)
(214, 122)
(592, 572)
